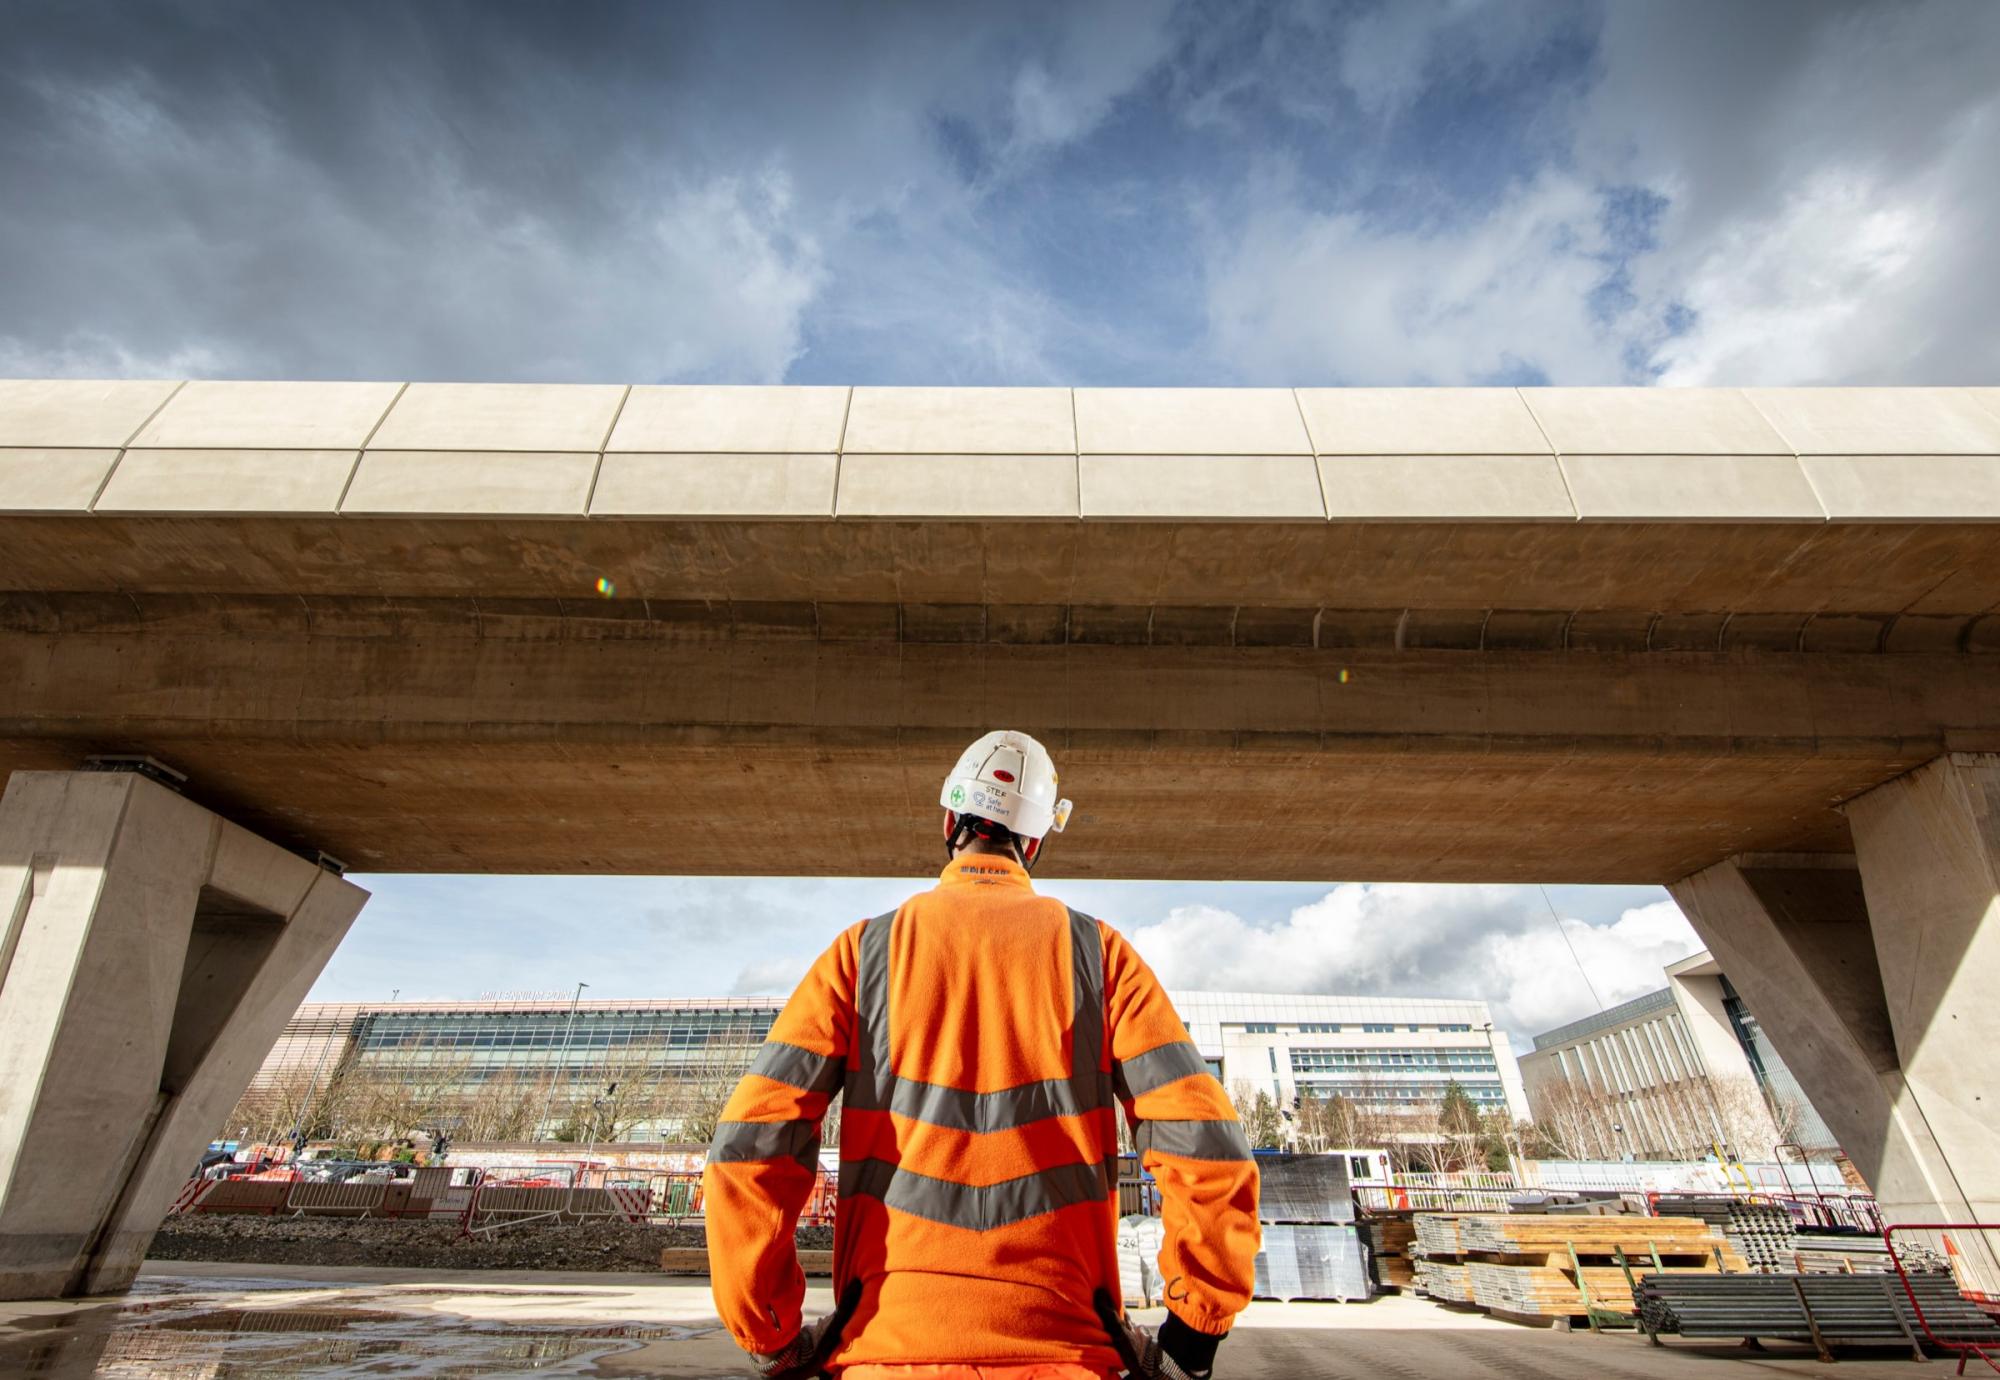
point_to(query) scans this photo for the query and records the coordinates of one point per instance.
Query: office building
(519, 1067)
(1679, 1073)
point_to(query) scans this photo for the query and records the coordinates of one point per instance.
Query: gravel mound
(597, 1245)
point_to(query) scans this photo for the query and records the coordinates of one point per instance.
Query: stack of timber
(1444, 1280)
(1760, 1232)
(1437, 1235)
(1536, 1267)
(1437, 1264)
(1390, 1240)
(1312, 1249)
(1638, 1237)
(1826, 1310)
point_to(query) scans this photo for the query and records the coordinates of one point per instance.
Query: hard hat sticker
(957, 796)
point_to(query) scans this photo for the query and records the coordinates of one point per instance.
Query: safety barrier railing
(497, 1205)
(1834, 1211)
(340, 1200)
(1965, 1250)
(1400, 1197)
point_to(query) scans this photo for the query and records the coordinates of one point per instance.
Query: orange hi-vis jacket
(979, 1035)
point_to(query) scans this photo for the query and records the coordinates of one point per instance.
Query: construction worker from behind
(983, 1038)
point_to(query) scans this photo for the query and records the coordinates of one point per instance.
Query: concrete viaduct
(1740, 642)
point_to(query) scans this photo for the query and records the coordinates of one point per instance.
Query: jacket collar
(984, 869)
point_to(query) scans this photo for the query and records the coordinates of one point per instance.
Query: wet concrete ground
(219, 1322)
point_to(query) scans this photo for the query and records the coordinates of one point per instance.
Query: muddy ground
(428, 1245)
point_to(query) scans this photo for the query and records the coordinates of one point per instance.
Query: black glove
(804, 1357)
(1177, 1352)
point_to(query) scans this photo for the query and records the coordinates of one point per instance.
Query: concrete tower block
(1929, 847)
(151, 954)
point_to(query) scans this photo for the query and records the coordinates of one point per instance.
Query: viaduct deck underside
(1312, 744)
(1587, 634)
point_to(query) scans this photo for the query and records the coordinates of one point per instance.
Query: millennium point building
(1386, 1053)
(1676, 1073)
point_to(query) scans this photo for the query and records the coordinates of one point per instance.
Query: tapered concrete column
(1794, 936)
(151, 955)
(1929, 847)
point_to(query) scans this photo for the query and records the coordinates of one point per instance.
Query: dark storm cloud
(456, 190)
(1213, 192)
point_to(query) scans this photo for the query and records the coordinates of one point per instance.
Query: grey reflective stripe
(796, 1067)
(1144, 1073)
(738, 1142)
(980, 1208)
(872, 1086)
(865, 1082)
(1086, 945)
(1194, 1140)
(1005, 1110)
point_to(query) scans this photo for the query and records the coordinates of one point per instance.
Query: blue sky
(1419, 192)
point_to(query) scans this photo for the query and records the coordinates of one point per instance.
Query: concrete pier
(152, 952)
(1874, 973)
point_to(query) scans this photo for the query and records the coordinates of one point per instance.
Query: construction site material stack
(1440, 1261)
(1551, 1267)
(1760, 1232)
(1312, 1249)
(1824, 1310)
(1391, 1241)
(1538, 1267)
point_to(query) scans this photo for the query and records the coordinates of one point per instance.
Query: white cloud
(1494, 943)
(1296, 295)
(771, 977)
(1829, 170)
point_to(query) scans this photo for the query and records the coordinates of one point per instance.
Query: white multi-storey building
(1380, 1052)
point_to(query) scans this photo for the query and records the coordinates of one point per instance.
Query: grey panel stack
(1325, 1262)
(1312, 1250)
(1303, 1188)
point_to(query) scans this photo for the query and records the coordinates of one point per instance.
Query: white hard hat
(1009, 778)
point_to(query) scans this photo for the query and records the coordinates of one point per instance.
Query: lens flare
(608, 589)
(1343, 675)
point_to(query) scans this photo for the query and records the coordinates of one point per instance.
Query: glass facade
(1771, 1072)
(1389, 1076)
(540, 1054)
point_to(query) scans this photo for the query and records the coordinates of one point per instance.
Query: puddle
(195, 1336)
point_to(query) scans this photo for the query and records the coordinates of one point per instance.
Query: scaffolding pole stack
(1824, 1311)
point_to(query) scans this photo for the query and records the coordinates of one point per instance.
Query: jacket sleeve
(1190, 1142)
(764, 1160)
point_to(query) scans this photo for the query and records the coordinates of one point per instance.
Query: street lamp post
(562, 1059)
